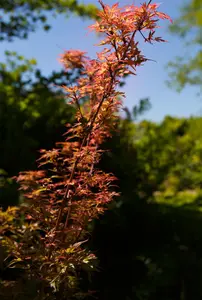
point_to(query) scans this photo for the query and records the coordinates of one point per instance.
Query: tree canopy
(33, 111)
(149, 243)
(187, 69)
(20, 17)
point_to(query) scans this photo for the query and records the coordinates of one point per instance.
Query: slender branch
(78, 105)
(88, 132)
(92, 120)
(144, 37)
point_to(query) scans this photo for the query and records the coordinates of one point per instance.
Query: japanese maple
(69, 190)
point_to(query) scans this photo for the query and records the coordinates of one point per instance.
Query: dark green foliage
(138, 110)
(186, 70)
(149, 243)
(21, 17)
(33, 115)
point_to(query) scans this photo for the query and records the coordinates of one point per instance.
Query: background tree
(32, 114)
(32, 110)
(21, 17)
(187, 69)
(149, 242)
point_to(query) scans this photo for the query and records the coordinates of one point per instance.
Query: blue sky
(72, 33)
